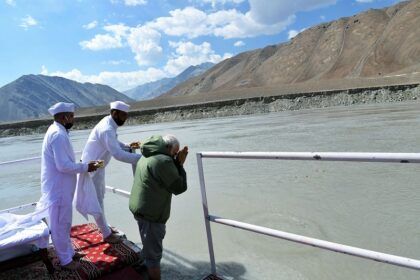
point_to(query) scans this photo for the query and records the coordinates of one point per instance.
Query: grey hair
(170, 140)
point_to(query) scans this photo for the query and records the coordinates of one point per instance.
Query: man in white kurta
(103, 144)
(58, 180)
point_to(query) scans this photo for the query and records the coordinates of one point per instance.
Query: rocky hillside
(157, 88)
(30, 96)
(372, 44)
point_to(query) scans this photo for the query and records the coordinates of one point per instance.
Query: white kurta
(58, 182)
(102, 144)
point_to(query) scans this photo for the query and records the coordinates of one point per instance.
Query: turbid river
(369, 205)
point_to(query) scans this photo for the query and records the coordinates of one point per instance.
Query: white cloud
(130, 2)
(189, 22)
(107, 41)
(101, 42)
(322, 17)
(135, 2)
(116, 62)
(185, 55)
(244, 26)
(27, 22)
(120, 30)
(214, 3)
(265, 17)
(44, 70)
(121, 81)
(365, 1)
(90, 25)
(272, 12)
(11, 2)
(194, 23)
(188, 53)
(144, 42)
(292, 33)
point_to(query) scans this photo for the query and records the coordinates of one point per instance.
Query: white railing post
(323, 244)
(18, 208)
(206, 213)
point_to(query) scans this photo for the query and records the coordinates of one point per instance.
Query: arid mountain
(372, 44)
(30, 96)
(157, 88)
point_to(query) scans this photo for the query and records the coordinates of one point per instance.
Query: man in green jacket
(159, 174)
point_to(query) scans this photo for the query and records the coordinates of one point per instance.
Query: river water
(369, 205)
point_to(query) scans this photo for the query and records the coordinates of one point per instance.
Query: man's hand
(134, 145)
(92, 166)
(182, 155)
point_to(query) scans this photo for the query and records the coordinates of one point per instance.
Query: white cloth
(21, 229)
(102, 144)
(19, 233)
(119, 105)
(83, 198)
(61, 107)
(58, 183)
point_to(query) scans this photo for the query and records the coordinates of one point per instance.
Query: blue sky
(124, 43)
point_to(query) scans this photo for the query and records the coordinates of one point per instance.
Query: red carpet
(101, 259)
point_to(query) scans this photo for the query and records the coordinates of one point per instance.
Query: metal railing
(323, 244)
(33, 204)
(24, 207)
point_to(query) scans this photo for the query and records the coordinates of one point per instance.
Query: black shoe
(77, 256)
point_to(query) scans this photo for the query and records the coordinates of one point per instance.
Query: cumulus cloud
(145, 44)
(119, 30)
(101, 42)
(271, 12)
(44, 70)
(189, 22)
(188, 53)
(292, 33)
(143, 41)
(194, 23)
(185, 54)
(121, 81)
(265, 17)
(244, 26)
(27, 22)
(111, 40)
(214, 3)
(90, 25)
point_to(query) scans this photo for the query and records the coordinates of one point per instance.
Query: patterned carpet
(101, 259)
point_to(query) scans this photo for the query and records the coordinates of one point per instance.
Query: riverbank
(234, 107)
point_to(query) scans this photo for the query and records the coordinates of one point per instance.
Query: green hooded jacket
(157, 177)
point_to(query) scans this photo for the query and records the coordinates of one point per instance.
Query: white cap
(61, 107)
(119, 105)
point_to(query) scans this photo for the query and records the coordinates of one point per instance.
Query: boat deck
(102, 260)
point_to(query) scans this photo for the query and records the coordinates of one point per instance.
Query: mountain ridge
(371, 44)
(30, 96)
(154, 89)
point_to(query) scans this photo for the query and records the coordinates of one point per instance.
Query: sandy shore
(245, 106)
